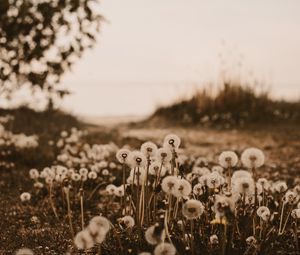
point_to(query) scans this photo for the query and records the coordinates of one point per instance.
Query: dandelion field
(91, 190)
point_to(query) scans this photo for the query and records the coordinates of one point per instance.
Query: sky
(151, 52)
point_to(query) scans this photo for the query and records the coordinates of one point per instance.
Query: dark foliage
(39, 40)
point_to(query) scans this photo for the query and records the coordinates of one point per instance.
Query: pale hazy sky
(152, 51)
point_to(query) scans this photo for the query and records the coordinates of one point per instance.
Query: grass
(234, 104)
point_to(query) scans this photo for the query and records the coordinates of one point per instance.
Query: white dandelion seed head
(25, 196)
(203, 179)
(122, 156)
(192, 209)
(34, 174)
(198, 189)
(214, 180)
(280, 186)
(76, 177)
(251, 240)
(102, 222)
(97, 232)
(119, 191)
(172, 141)
(38, 185)
(165, 249)
(149, 149)
(24, 251)
(253, 158)
(262, 209)
(223, 204)
(266, 216)
(296, 213)
(201, 161)
(183, 190)
(200, 171)
(92, 175)
(164, 155)
(111, 189)
(145, 253)
(128, 221)
(240, 173)
(83, 171)
(83, 240)
(154, 234)
(243, 185)
(264, 183)
(217, 169)
(291, 197)
(228, 159)
(137, 159)
(155, 167)
(169, 184)
(213, 239)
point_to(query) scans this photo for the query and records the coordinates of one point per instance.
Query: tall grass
(234, 104)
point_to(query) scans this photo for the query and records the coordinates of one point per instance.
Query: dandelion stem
(81, 208)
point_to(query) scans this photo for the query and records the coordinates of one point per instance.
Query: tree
(41, 39)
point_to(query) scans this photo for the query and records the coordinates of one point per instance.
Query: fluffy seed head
(228, 159)
(172, 141)
(192, 209)
(149, 149)
(253, 158)
(165, 249)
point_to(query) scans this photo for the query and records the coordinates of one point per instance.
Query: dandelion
(192, 209)
(154, 234)
(198, 189)
(122, 156)
(76, 177)
(264, 183)
(251, 241)
(200, 171)
(149, 149)
(34, 174)
(214, 240)
(24, 251)
(92, 175)
(172, 141)
(128, 221)
(291, 197)
(25, 196)
(101, 222)
(295, 213)
(111, 189)
(184, 188)
(222, 206)
(228, 159)
(137, 159)
(156, 168)
(280, 186)
(214, 180)
(83, 240)
(239, 174)
(170, 184)
(119, 191)
(243, 185)
(253, 158)
(164, 155)
(164, 249)
(97, 232)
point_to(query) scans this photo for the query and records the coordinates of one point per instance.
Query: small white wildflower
(111, 189)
